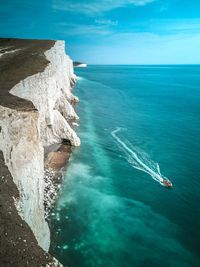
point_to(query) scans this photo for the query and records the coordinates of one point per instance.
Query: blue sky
(110, 31)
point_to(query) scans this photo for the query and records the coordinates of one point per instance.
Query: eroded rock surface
(36, 111)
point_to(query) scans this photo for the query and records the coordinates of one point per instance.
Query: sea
(139, 125)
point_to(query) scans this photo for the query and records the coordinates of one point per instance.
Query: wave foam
(139, 159)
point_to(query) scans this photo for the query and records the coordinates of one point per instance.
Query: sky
(110, 31)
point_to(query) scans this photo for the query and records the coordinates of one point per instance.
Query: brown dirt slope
(20, 58)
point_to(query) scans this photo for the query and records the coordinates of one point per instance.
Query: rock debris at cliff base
(55, 162)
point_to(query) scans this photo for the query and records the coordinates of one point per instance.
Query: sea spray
(99, 154)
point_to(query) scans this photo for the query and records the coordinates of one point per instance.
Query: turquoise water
(138, 124)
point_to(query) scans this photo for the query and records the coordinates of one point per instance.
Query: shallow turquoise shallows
(138, 125)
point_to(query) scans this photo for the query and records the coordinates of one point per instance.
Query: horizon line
(162, 64)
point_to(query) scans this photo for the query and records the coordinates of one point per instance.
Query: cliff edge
(36, 112)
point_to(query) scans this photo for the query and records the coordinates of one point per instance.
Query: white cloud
(72, 29)
(106, 22)
(93, 7)
(184, 25)
(165, 26)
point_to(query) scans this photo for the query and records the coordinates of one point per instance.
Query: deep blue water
(137, 125)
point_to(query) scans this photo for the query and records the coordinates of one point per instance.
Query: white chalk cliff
(24, 133)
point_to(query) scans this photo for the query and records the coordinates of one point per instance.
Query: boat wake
(139, 159)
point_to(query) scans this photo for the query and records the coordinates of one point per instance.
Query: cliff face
(23, 154)
(35, 111)
(50, 92)
(18, 246)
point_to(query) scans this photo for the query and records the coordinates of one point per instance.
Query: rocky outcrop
(36, 111)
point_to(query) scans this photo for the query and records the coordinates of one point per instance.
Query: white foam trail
(139, 160)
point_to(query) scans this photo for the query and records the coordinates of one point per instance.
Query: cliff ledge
(36, 112)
